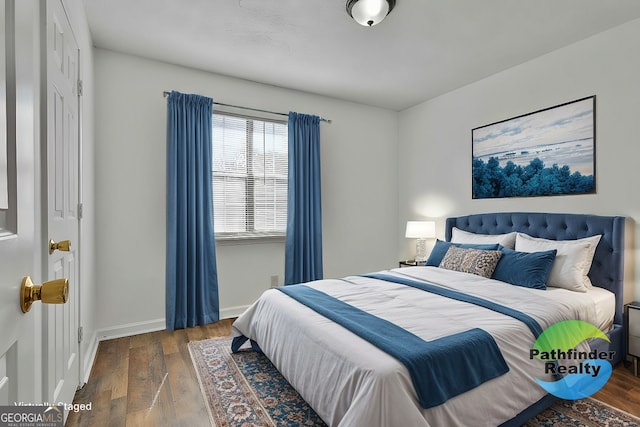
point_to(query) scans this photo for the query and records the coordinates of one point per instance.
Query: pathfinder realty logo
(580, 373)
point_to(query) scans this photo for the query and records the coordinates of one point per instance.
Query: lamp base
(421, 250)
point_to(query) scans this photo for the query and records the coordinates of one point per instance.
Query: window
(250, 162)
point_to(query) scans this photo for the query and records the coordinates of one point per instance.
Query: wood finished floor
(149, 380)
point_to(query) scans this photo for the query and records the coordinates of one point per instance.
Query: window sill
(250, 239)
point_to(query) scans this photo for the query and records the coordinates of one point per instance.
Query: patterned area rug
(583, 413)
(246, 390)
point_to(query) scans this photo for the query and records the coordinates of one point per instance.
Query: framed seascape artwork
(545, 153)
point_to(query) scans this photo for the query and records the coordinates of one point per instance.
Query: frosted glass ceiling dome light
(369, 12)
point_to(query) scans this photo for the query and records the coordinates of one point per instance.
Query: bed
(350, 382)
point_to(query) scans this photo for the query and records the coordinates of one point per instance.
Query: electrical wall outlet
(275, 281)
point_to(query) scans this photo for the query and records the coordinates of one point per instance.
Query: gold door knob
(63, 245)
(51, 292)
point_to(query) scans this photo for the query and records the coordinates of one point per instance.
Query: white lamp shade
(420, 230)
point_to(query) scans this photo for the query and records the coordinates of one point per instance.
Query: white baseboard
(130, 329)
(227, 313)
(90, 358)
(154, 325)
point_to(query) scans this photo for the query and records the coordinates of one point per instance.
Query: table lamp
(421, 230)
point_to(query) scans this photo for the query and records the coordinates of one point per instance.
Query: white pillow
(460, 236)
(572, 263)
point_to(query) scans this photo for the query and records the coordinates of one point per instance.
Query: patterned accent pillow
(474, 261)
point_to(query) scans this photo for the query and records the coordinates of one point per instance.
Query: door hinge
(80, 332)
(80, 210)
(79, 87)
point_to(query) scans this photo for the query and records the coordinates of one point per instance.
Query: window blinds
(250, 162)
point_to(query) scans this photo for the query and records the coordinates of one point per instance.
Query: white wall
(359, 187)
(435, 136)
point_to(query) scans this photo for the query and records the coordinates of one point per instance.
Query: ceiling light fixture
(369, 12)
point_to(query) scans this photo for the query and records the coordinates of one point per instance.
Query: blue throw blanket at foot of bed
(440, 369)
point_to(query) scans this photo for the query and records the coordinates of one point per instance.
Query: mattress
(603, 301)
(349, 382)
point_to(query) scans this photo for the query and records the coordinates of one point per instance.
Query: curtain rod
(165, 94)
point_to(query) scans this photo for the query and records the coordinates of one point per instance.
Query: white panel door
(61, 321)
(18, 247)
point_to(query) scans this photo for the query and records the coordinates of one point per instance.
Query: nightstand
(411, 263)
(633, 331)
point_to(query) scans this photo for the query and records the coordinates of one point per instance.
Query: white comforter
(350, 382)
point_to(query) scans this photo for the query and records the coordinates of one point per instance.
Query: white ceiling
(423, 49)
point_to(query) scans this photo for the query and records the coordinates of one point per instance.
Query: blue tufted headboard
(607, 269)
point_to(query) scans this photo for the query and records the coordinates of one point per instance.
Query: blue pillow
(526, 269)
(440, 249)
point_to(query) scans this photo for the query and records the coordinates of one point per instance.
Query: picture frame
(549, 152)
